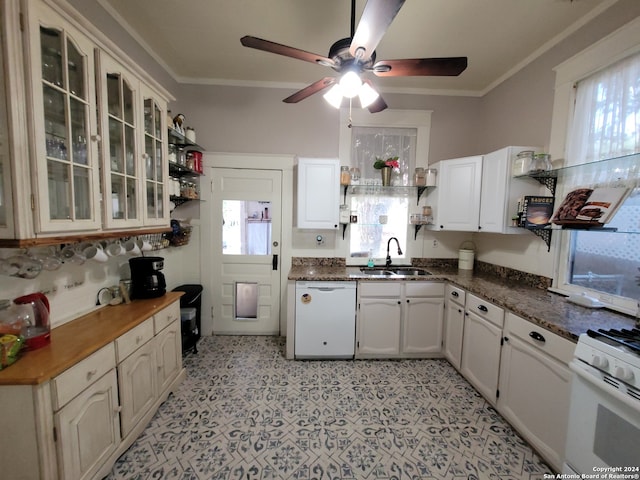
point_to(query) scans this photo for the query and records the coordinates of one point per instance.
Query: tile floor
(246, 413)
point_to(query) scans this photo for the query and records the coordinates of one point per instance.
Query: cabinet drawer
(455, 294)
(548, 342)
(380, 289)
(485, 310)
(77, 378)
(424, 289)
(166, 317)
(128, 343)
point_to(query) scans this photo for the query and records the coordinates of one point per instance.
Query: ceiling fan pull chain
(350, 124)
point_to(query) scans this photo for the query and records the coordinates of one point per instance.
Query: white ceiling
(198, 41)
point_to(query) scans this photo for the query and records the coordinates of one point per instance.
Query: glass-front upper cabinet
(120, 118)
(155, 165)
(67, 173)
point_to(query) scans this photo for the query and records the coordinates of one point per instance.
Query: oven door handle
(585, 372)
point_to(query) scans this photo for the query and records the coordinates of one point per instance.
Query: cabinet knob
(537, 336)
(91, 373)
(138, 339)
(482, 308)
(455, 294)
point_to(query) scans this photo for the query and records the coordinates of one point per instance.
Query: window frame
(389, 118)
(602, 54)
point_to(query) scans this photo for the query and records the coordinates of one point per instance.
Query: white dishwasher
(325, 319)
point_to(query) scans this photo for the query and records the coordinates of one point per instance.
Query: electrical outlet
(435, 243)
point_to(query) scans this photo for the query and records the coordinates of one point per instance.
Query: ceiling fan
(354, 56)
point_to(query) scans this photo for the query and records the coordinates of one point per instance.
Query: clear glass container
(541, 163)
(419, 177)
(522, 163)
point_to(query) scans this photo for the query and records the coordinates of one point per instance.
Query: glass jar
(430, 174)
(522, 163)
(541, 163)
(345, 176)
(345, 214)
(419, 178)
(355, 174)
(173, 153)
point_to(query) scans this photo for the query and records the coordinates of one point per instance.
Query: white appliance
(604, 416)
(325, 319)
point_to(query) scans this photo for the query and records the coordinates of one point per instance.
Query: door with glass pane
(122, 175)
(155, 167)
(244, 262)
(64, 124)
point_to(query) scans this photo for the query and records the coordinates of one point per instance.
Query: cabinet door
(454, 325)
(534, 396)
(422, 325)
(500, 191)
(318, 193)
(137, 380)
(64, 127)
(168, 355)
(458, 206)
(481, 355)
(156, 168)
(379, 326)
(88, 429)
(122, 171)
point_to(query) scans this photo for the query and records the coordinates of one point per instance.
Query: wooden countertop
(76, 340)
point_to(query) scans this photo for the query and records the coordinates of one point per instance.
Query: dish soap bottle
(370, 263)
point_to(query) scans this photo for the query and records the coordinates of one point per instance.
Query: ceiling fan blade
(414, 67)
(377, 106)
(315, 87)
(376, 18)
(267, 46)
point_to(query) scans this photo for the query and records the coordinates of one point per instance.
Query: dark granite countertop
(549, 310)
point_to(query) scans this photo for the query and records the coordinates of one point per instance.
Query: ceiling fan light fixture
(350, 84)
(367, 95)
(334, 96)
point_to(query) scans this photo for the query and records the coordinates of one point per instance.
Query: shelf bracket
(344, 229)
(548, 181)
(417, 227)
(344, 195)
(544, 234)
(420, 192)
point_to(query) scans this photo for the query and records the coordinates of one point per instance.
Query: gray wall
(516, 112)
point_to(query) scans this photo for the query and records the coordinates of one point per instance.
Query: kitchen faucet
(388, 261)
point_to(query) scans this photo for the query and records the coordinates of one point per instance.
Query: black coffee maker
(146, 279)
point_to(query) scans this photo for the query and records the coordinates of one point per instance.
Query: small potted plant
(385, 166)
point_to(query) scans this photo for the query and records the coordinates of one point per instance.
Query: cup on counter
(115, 249)
(131, 247)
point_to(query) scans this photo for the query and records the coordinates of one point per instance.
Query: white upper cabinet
(120, 127)
(318, 204)
(66, 172)
(457, 203)
(154, 158)
(89, 150)
(500, 191)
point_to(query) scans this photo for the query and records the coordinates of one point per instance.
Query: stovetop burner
(628, 338)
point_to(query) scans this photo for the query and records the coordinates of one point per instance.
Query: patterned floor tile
(246, 413)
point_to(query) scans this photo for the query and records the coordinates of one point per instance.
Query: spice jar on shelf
(541, 163)
(345, 176)
(419, 178)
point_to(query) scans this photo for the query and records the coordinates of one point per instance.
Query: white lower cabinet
(453, 324)
(481, 345)
(535, 385)
(399, 319)
(75, 425)
(88, 429)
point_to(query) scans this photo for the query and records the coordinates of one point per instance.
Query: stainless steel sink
(395, 271)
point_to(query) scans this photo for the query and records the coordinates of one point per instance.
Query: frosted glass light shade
(334, 96)
(350, 84)
(367, 95)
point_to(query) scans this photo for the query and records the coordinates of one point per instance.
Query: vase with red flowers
(386, 166)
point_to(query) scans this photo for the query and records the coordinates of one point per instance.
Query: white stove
(614, 352)
(604, 416)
